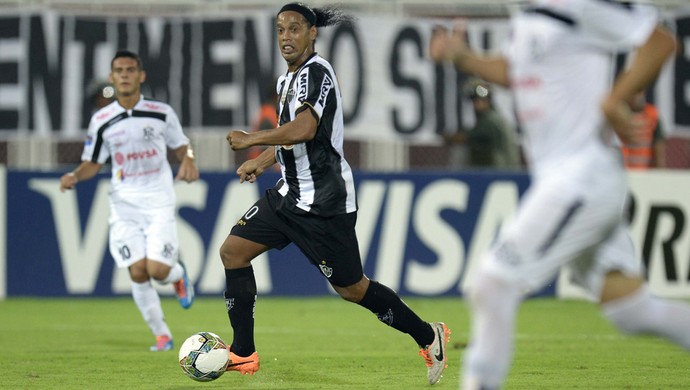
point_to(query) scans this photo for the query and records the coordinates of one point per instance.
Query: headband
(303, 10)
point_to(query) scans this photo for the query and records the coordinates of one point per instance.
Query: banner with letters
(214, 70)
(419, 233)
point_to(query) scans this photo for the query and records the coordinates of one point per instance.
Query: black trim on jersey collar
(148, 114)
(99, 134)
(552, 14)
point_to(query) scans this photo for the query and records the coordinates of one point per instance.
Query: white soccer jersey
(560, 61)
(560, 66)
(136, 141)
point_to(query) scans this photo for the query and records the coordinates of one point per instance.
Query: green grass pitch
(318, 343)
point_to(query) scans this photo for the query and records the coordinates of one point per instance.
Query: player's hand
(68, 181)
(448, 46)
(238, 139)
(628, 126)
(188, 171)
(249, 171)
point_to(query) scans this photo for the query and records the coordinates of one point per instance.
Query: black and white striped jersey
(136, 140)
(316, 176)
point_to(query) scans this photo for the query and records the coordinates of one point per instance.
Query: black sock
(392, 311)
(240, 300)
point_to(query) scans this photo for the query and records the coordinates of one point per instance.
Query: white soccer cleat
(434, 354)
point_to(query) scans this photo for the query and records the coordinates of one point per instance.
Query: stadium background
(211, 60)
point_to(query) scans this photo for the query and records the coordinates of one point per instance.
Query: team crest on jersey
(149, 133)
(289, 95)
(326, 270)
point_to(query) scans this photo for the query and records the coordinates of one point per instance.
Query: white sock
(494, 306)
(149, 304)
(640, 312)
(175, 274)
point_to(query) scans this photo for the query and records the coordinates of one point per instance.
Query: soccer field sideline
(318, 343)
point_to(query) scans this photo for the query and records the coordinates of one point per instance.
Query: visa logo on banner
(419, 233)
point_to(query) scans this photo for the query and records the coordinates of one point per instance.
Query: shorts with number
(138, 232)
(568, 222)
(330, 243)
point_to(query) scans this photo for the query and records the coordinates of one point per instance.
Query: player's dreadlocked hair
(319, 17)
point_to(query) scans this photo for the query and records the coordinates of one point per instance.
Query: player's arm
(649, 59)
(251, 169)
(301, 129)
(451, 47)
(188, 170)
(85, 171)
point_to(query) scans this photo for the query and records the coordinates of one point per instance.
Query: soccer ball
(203, 356)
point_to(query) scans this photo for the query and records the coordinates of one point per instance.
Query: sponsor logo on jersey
(119, 158)
(153, 106)
(104, 115)
(303, 84)
(528, 82)
(142, 155)
(88, 141)
(326, 86)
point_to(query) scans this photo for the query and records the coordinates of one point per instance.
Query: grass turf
(317, 343)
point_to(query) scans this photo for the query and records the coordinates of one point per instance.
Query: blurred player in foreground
(314, 204)
(558, 66)
(135, 133)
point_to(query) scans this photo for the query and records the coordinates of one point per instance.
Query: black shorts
(330, 243)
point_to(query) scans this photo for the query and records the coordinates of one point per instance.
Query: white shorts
(138, 232)
(571, 219)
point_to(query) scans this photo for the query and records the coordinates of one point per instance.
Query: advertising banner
(214, 70)
(419, 233)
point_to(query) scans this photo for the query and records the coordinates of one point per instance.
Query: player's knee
(138, 272)
(488, 287)
(237, 252)
(630, 314)
(228, 256)
(159, 275)
(355, 292)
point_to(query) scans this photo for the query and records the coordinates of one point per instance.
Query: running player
(558, 65)
(135, 133)
(314, 204)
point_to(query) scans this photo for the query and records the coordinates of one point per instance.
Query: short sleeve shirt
(136, 142)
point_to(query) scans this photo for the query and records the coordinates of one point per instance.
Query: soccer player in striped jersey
(135, 134)
(558, 64)
(314, 204)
